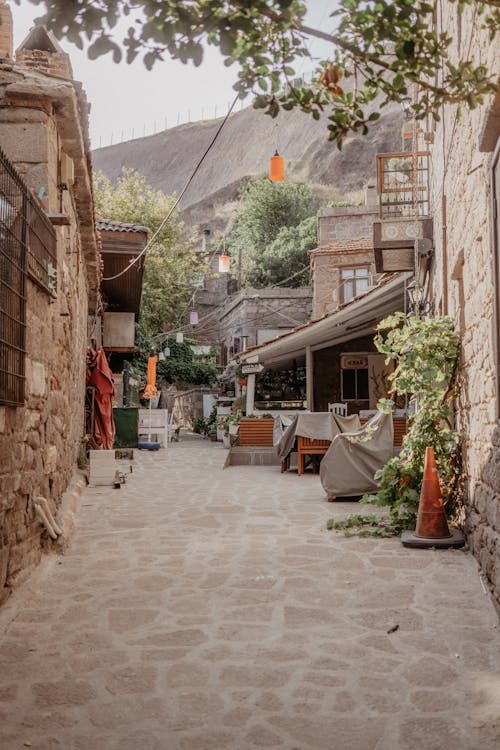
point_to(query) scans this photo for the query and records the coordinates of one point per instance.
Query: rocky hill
(242, 150)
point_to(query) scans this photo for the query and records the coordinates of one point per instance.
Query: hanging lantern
(179, 337)
(224, 263)
(161, 356)
(276, 168)
(166, 351)
(193, 317)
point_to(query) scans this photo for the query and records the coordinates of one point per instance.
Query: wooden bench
(256, 432)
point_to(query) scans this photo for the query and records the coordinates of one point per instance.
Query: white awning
(357, 318)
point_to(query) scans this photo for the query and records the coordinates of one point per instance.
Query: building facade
(464, 204)
(49, 286)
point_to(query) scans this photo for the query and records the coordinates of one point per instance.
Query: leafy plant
(171, 265)
(425, 353)
(361, 525)
(182, 367)
(225, 420)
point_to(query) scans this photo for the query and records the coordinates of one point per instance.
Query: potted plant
(230, 426)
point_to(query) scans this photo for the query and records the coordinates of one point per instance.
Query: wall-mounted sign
(252, 368)
(353, 362)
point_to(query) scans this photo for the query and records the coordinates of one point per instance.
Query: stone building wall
(464, 286)
(39, 441)
(253, 310)
(327, 264)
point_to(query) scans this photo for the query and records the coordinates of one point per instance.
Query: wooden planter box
(256, 431)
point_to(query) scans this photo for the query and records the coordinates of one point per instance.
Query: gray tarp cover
(316, 426)
(348, 466)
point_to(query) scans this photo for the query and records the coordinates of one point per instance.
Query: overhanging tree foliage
(385, 46)
(171, 268)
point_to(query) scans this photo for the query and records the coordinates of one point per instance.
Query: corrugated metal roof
(111, 225)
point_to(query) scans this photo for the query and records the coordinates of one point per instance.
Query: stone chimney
(6, 38)
(42, 53)
(371, 196)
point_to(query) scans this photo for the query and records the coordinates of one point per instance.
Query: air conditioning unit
(67, 167)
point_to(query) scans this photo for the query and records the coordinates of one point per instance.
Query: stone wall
(39, 441)
(187, 406)
(258, 310)
(328, 287)
(345, 223)
(465, 287)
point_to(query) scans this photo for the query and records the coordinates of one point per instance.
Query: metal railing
(27, 248)
(403, 184)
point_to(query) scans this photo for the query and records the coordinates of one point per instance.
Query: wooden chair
(340, 409)
(309, 447)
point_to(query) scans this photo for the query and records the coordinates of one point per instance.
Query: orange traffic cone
(432, 527)
(431, 518)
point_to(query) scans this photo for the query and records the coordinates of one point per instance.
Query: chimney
(6, 38)
(371, 197)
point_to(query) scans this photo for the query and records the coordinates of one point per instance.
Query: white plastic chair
(340, 409)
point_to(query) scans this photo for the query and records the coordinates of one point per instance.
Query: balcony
(403, 185)
(403, 234)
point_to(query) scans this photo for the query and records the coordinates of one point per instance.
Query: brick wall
(5, 31)
(464, 286)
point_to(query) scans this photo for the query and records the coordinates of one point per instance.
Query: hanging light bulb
(224, 263)
(193, 317)
(276, 168)
(179, 337)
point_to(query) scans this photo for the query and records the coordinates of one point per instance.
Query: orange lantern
(277, 168)
(224, 263)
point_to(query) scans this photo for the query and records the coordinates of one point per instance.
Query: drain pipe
(44, 514)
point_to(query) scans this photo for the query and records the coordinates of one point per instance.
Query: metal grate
(403, 184)
(27, 246)
(42, 249)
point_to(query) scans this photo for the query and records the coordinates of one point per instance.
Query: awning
(356, 318)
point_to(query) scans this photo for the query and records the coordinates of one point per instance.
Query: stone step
(252, 455)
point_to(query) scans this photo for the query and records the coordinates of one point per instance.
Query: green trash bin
(126, 426)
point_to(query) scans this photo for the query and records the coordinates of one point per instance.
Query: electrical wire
(178, 199)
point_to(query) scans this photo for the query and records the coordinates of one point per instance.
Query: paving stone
(242, 623)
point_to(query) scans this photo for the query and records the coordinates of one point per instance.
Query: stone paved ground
(201, 609)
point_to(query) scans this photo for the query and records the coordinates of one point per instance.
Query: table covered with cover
(349, 466)
(315, 426)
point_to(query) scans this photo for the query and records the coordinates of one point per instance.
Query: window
(27, 250)
(354, 378)
(354, 282)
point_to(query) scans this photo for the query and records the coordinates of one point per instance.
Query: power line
(177, 201)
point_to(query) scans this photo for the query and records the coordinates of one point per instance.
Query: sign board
(252, 369)
(353, 362)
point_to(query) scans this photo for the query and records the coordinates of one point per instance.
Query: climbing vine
(425, 355)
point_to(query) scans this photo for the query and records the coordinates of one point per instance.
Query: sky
(128, 101)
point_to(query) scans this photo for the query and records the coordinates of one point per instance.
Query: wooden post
(309, 379)
(250, 393)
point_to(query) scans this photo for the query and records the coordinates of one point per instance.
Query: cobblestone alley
(202, 609)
